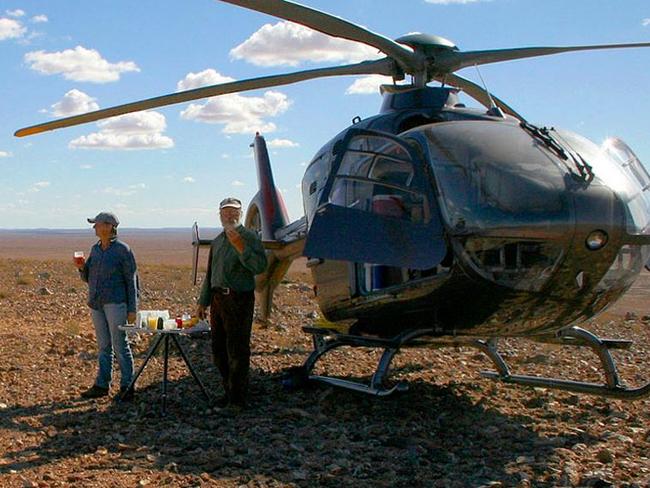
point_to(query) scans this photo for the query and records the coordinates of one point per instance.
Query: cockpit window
(377, 175)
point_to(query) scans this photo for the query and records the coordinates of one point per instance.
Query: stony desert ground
(451, 429)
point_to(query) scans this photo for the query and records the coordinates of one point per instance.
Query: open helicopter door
(377, 206)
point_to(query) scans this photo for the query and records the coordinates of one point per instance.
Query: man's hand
(130, 318)
(200, 311)
(235, 239)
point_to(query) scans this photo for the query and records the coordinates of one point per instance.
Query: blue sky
(170, 167)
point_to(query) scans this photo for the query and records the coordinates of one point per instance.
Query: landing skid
(573, 336)
(326, 340)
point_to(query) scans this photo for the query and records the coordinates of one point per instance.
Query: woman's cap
(107, 217)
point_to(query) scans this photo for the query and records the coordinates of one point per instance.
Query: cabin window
(314, 181)
(376, 175)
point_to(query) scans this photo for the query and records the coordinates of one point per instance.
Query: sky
(170, 167)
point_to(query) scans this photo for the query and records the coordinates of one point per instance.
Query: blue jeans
(109, 338)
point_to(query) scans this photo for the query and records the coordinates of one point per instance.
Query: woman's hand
(130, 318)
(79, 262)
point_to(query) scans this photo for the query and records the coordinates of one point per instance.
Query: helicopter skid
(326, 340)
(574, 336)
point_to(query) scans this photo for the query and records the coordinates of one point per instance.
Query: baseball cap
(230, 202)
(107, 217)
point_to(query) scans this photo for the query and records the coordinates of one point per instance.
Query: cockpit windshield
(495, 177)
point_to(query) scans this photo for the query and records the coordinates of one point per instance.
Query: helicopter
(432, 224)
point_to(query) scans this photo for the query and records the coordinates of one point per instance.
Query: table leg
(165, 368)
(189, 366)
(152, 350)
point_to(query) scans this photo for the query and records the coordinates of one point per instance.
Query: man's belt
(222, 291)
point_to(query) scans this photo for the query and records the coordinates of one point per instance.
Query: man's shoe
(126, 395)
(95, 392)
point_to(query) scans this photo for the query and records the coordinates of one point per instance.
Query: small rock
(604, 456)
(45, 291)
(43, 275)
(596, 482)
(3, 406)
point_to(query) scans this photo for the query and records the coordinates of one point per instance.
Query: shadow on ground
(428, 436)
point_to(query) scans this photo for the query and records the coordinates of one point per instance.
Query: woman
(110, 272)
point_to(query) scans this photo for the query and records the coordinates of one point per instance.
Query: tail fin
(268, 203)
(267, 214)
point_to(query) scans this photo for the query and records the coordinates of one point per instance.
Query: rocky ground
(451, 429)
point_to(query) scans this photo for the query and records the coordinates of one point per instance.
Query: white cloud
(240, 115)
(5, 154)
(148, 122)
(238, 183)
(39, 19)
(368, 85)
(189, 179)
(202, 78)
(85, 166)
(645, 22)
(74, 102)
(450, 2)
(286, 43)
(15, 13)
(38, 186)
(78, 64)
(140, 130)
(281, 143)
(11, 29)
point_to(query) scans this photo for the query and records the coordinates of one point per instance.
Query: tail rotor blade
(195, 252)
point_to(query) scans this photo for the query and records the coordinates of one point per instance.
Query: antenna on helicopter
(494, 110)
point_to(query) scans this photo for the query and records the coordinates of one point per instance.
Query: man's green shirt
(229, 269)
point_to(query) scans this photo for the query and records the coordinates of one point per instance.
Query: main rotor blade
(454, 60)
(331, 25)
(478, 93)
(383, 66)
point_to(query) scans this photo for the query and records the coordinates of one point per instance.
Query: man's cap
(107, 217)
(230, 202)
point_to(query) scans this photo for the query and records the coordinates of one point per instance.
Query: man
(110, 272)
(236, 256)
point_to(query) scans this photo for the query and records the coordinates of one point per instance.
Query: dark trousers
(231, 317)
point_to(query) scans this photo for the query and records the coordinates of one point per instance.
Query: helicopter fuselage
(435, 215)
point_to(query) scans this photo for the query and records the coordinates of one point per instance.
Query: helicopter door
(377, 206)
